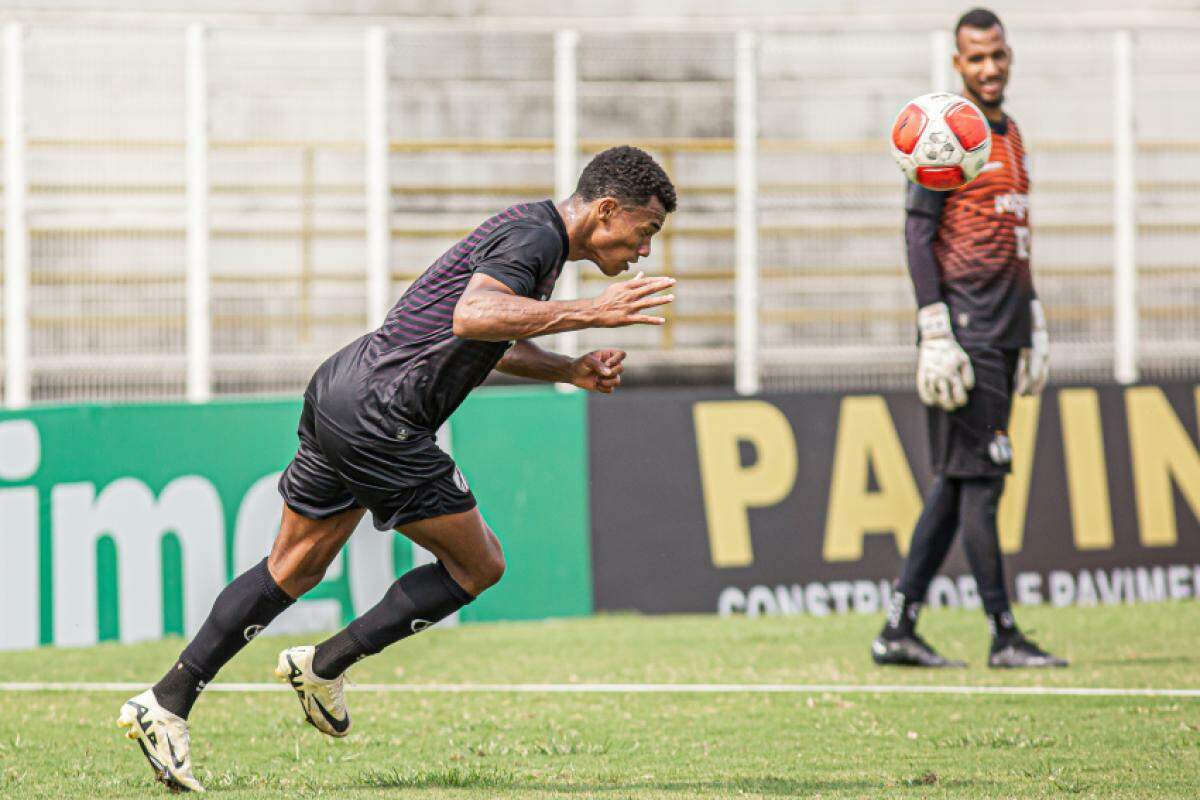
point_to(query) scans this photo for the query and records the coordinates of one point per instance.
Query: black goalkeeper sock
(418, 599)
(240, 612)
(1003, 627)
(901, 618)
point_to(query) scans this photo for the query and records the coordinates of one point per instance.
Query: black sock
(417, 599)
(178, 689)
(1004, 627)
(902, 617)
(240, 612)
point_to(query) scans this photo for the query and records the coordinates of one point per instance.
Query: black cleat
(1019, 652)
(909, 651)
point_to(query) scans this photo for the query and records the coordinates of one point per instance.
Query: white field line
(639, 688)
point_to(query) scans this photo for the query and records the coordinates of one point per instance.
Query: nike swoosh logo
(991, 166)
(339, 725)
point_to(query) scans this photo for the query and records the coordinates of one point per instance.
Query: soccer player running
(982, 336)
(367, 439)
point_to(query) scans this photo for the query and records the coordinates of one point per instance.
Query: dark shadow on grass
(471, 778)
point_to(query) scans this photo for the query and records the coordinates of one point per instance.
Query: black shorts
(972, 442)
(345, 461)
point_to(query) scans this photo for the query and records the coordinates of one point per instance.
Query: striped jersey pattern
(983, 234)
(430, 369)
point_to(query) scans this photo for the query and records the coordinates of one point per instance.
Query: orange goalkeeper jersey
(982, 245)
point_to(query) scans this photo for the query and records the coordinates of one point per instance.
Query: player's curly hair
(978, 18)
(630, 175)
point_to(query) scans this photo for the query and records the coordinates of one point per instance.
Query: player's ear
(606, 208)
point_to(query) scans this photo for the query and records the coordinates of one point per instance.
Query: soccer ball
(941, 141)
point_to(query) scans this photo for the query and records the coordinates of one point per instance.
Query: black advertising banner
(805, 503)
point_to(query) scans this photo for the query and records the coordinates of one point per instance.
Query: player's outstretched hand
(598, 371)
(621, 303)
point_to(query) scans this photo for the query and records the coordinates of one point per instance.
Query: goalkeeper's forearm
(919, 233)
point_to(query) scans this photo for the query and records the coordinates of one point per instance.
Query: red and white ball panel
(941, 141)
(908, 128)
(967, 125)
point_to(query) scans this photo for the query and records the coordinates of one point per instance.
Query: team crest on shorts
(1000, 449)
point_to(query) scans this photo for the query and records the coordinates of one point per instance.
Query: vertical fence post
(746, 330)
(16, 223)
(1125, 302)
(941, 73)
(378, 183)
(566, 155)
(199, 288)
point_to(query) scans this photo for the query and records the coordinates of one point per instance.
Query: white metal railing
(1125, 311)
(566, 154)
(16, 233)
(747, 378)
(277, 248)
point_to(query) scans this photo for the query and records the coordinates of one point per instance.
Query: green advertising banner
(525, 455)
(123, 522)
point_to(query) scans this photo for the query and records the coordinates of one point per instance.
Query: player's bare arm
(491, 312)
(597, 371)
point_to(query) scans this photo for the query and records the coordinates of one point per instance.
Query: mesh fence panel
(838, 308)
(672, 94)
(286, 164)
(472, 125)
(105, 172)
(836, 302)
(1166, 93)
(1061, 95)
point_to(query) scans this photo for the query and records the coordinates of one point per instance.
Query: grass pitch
(56, 744)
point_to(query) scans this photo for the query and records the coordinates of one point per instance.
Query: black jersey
(977, 239)
(403, 380)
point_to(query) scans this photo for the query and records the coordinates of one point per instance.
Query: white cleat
(163, 737)
(322, 700)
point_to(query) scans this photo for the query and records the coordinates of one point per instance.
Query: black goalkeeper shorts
(343, 462)
(972, 441)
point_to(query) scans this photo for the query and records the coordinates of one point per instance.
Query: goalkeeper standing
(982, 338)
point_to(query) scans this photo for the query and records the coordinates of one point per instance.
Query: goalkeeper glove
(1033, 363)
(944, 373)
